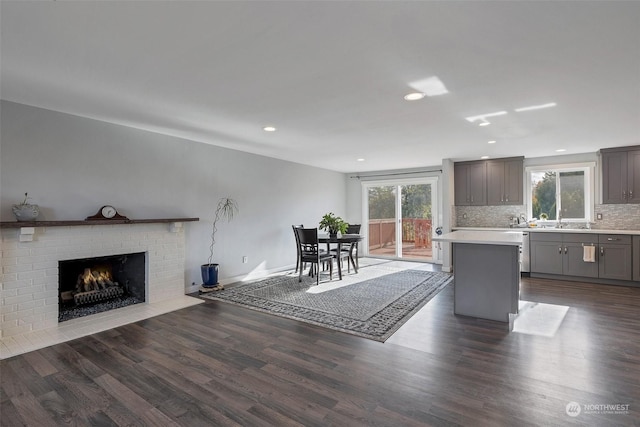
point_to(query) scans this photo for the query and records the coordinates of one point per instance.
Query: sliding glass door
(401, 217)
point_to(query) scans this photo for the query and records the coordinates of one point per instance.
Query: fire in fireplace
(93, 285)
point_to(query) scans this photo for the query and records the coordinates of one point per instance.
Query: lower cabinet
(545, 255)
(574, 264)
(564, 254)
(615, 257)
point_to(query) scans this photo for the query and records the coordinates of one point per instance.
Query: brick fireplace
(88, 286)
(30, 266)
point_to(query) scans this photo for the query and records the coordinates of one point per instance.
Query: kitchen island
(486, 267)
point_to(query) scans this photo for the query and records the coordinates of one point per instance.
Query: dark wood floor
(218, 364)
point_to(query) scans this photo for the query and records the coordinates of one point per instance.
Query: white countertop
(484, 237)
(551, 230)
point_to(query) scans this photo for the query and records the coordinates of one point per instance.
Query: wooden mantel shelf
(21, 224)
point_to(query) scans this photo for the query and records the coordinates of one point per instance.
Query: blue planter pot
(209, 275)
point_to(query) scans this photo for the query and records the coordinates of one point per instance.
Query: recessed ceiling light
(431, 86)
(360, 160)
(484, 123)
(484, 157)
(560, 150)
(491, 142)
(414, 96)
(269, 129)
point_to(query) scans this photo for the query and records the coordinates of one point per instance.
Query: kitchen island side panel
(487, 280)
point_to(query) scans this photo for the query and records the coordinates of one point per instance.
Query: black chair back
(309, 248)
(354, 228)
(298, 252)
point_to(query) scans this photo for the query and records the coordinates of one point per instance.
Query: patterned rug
(372, 304)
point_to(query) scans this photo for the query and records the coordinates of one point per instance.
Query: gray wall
(71, 166)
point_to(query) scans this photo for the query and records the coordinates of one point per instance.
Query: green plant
(544, 216)
(333, 224)
(226, 209)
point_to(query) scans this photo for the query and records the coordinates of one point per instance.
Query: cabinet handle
(612, 239)
(502, 198)
(506, 198)
(601, 251)
(624, 195)
(630, 194)
(565, 250)
(471, 199)
(560, 250)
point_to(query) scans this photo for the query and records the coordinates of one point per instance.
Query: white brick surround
(29, 279)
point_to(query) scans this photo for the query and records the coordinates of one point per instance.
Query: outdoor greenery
(415, 201)
(544, 198)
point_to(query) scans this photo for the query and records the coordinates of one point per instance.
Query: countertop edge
(551, 230)
(486, 237)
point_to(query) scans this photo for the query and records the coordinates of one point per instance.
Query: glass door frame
(436, 214)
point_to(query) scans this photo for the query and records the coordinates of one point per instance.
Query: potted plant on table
(333, 224)
(226, 209)
(26, 211)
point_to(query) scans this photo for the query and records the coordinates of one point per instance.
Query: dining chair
(310, 252)
(349, 250)
(298, 251)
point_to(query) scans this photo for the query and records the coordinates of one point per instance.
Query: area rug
(372, 304)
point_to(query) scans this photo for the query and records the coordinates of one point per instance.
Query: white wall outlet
(599, 216)
(245, 259)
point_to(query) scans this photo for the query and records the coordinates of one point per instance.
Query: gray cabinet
(545, 254)
(615, 257)
(621, 175)
(562, 254)
(635, 264)
(573, 263)
(505, 182)
(470, 183)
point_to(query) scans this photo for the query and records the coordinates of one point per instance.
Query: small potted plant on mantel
(333, 224)
(26, 211)
(226, 209)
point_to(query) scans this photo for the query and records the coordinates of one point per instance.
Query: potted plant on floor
(226, 209)
(333, 224)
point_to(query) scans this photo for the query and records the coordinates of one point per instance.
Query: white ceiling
(331, 76)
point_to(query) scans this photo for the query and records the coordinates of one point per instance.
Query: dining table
(339, 240)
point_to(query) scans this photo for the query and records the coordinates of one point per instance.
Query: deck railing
(382, 232)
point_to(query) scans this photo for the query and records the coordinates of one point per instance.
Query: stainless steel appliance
(525, 266)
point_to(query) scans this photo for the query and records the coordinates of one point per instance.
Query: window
(560, 192)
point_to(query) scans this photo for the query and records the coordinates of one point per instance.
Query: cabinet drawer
(619, 239)
(545, 237)
(579, 238)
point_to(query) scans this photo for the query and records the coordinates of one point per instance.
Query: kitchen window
(560, 192)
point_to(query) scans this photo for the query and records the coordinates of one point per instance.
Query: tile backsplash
(618, 217)
(486, 216)
(614, 217)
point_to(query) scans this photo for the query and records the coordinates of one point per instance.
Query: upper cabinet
(505, 182)
(489, 182)
(621, 175)
(470, 183)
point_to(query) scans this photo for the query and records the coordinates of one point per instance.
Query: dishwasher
(525, 266)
